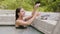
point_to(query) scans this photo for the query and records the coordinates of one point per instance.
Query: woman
(23, 23)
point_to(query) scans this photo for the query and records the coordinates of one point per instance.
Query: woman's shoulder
(18, 20)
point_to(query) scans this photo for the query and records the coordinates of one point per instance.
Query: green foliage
(46, 5)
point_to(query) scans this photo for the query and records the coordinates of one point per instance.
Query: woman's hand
(37, 5)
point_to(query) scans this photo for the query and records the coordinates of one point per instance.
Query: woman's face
(22, 12)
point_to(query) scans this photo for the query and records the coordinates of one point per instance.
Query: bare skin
(28, 20)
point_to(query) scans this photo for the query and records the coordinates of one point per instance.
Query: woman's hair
(17, 11)
(37, 2)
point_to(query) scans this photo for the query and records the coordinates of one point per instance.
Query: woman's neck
(20, 18)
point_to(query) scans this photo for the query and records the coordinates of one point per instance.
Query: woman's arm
(33, 12)
(27, 18)
(35, 8)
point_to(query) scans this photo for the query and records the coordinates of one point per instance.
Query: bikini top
(21, 27)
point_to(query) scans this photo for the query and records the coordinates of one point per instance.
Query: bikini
(21, 27)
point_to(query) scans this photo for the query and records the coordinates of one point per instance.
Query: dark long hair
(17, 11)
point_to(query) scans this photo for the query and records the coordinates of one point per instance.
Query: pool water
(13, 30)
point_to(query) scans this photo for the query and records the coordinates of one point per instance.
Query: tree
(46, 5)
